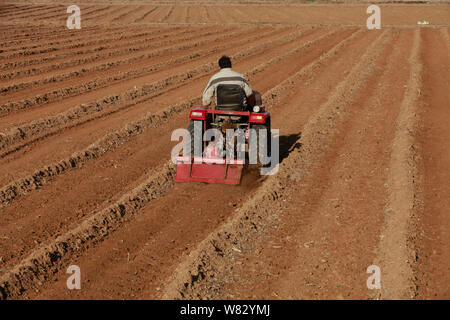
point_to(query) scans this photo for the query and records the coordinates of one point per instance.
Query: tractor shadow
(288, 144)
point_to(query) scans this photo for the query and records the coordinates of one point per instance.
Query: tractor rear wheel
(196, 135)
(255, 147)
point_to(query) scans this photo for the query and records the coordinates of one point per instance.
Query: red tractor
(208, 160)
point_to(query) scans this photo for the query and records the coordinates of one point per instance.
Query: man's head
(224, 62)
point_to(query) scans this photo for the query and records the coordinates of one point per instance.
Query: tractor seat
(230, 97)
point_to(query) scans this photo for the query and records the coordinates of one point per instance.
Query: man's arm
(208, 94)
(247, 88)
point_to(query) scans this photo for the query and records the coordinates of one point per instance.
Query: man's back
(225, 76)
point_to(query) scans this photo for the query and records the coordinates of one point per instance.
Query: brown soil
(86, 178)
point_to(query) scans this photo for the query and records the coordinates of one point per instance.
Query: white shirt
(224, 76)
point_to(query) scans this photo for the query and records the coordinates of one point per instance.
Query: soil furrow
(272, 92)
(98, 13)
(72, 41)
(58, 11)
(111, 13)
(210, 259)
(52, 34)
(87, 45)
(123, 15)
(24, 186)
(89, 232)
(432, 222)
(324, 15)
(144, 257)
(16, 11)
(150, 134)
(30, 14)
(62, 15)
(77, 76)
(139, 265)
(10, 192)
(52, 60)
(167, 16)
(395, 257)
(86, 176)
(105, 52)
(98, 88)
(135, 14)
(345, 198)
(20, 56)
(13, 135)
(149, 12)
(255, 71)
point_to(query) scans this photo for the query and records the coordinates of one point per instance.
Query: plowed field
(86, 179)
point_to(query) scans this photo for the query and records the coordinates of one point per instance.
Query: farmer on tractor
(238, 120)
(227, 85)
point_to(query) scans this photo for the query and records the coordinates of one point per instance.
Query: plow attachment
(209, 170)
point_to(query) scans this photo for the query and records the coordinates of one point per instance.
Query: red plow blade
(209, 170)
